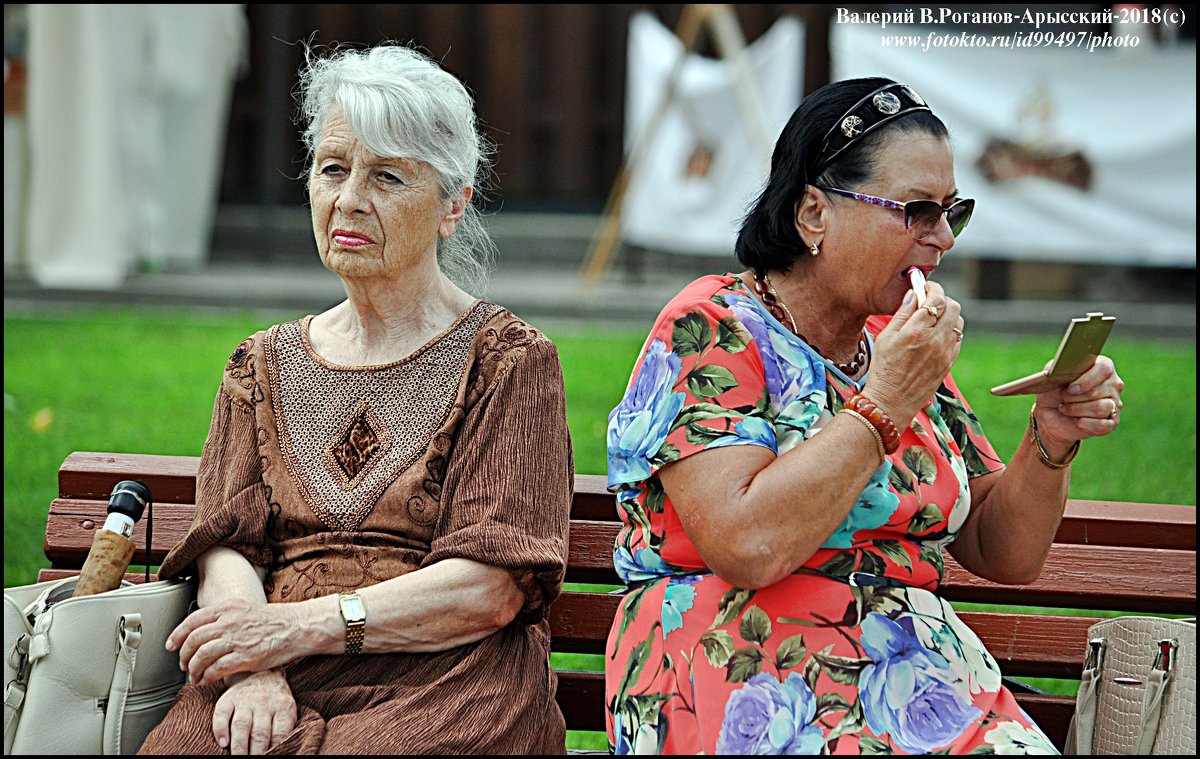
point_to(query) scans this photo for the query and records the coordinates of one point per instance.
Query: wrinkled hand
(235, 636)
(1083, 409)
(913, 354)
(254, 713)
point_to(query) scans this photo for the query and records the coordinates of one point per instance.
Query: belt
(854, 579)
(863, 579)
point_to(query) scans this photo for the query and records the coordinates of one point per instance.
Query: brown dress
(336, 478)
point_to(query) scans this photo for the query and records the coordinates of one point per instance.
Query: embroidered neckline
(311, 352)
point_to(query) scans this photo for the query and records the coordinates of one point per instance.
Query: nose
(352, 195)
(942, 237)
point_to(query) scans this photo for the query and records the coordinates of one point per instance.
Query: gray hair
(402, 104)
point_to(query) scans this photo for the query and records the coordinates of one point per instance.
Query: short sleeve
(231, 503)
(506, 500)
(965, 430)
(700, 383)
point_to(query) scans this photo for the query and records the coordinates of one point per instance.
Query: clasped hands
(246, 645)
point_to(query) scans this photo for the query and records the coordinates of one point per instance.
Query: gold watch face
(352, 608)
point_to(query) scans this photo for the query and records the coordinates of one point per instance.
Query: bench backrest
(1127, 557)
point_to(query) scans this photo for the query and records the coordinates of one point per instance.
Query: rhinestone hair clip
(871, 112)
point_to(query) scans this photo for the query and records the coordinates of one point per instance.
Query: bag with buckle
(89, 675)
(1137, 694)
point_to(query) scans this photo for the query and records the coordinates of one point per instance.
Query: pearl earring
(814, 249)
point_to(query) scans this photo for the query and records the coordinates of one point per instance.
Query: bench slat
(1138, 525)
(45, 575)
(1091, 577)
(89, 475)
(1075, 576)
(71, 526)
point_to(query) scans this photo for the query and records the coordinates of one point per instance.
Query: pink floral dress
(854, 653)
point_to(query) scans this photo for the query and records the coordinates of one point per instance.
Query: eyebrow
(914, 190)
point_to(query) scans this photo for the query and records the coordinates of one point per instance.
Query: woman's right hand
(255, 712)
(913, 355)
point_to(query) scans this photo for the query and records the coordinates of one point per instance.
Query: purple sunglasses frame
(897, 205)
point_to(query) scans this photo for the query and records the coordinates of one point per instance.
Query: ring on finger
(932, 311)
(957, 332)
(1116, 408)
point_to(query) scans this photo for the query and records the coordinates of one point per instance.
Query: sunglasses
(920, 216)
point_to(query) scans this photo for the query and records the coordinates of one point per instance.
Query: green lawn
(143, 381)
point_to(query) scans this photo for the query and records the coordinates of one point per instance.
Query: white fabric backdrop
(664, 207)
(128, 109)
(1131, 112)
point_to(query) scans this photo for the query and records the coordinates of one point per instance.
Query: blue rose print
(770, 717)
(638, 737)
(750, 430)
(790, 371)
(907, 690)
(645, 565)
(638, 426)
(873, 509)
(676, 601)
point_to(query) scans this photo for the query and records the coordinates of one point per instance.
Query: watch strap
(355, 625)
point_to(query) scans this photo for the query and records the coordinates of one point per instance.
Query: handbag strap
(129, 637)
(149, 534)
(1086, 701)
(14, 690)
(1156, 683)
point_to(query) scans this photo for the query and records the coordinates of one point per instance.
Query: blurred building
(550, 83)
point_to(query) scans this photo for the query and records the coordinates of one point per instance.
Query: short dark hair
(768, 238)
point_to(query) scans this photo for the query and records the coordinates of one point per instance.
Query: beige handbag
(1138, 690)
(89, 675)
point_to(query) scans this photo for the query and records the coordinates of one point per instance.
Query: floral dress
(852, 653)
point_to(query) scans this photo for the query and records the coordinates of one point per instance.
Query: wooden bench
(1126, 557)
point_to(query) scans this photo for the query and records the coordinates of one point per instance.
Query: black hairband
(876, 109)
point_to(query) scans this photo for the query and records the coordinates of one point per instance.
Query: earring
(814, 249)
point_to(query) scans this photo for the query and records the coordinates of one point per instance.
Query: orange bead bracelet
(879, 420)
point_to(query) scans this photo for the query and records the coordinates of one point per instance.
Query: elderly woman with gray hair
(375, 562)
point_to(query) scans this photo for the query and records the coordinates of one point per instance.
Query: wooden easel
(723, 28)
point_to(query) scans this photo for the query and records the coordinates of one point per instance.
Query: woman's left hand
(1088, 407)
(236, 636)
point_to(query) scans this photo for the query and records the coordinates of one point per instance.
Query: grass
(131, 381)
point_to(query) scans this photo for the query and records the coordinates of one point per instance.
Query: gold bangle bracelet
(871, 427)
(1036, 439)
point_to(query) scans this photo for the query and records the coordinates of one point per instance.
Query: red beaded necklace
(778, 309)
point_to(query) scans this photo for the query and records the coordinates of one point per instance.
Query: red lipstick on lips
(350, 239)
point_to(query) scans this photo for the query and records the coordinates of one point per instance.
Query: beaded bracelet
(871, 427)
(878, 419)
(1036, 439)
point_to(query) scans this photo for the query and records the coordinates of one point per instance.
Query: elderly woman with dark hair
(382, 501)
(793, 454)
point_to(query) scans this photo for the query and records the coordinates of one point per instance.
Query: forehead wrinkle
(346, 147)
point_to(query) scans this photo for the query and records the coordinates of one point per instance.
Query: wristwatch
(355, 616)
